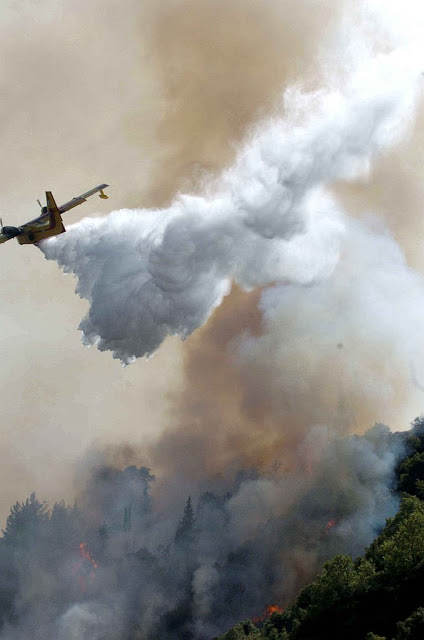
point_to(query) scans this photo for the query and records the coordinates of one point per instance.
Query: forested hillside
(374, 597)
(119, 565)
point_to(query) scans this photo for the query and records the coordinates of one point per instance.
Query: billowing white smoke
(97, 621)
(350, 338)
(149, 274)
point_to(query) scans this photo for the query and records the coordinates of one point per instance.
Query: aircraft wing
(82, 198)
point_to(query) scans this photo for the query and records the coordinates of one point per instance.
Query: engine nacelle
(11, 231)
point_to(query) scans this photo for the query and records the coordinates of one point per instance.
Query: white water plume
(149, 274)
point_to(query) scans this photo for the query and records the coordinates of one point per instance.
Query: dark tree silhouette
(185, 531)
(25, 521)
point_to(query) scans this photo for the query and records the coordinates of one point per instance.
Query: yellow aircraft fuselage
(49, 223)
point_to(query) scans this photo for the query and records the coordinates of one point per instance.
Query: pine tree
(185, 531)
(24, 521)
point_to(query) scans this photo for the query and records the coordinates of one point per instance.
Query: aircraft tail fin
(51, 203)
(54, 213)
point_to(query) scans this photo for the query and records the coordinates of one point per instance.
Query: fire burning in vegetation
(330, 524)
(270, 609)
(85, 568)
(85, 554)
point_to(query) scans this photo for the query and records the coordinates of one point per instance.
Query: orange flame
(273, 608)
(270, 609)
(84, 554)
(85, 567)
(330, 524)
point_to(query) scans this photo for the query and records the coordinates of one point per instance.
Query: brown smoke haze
(214, 429)
(395, 191)
(222, 67)
(145, 98)
(255, 410)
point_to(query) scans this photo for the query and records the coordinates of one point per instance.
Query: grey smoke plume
(149, 274)
(255, 542)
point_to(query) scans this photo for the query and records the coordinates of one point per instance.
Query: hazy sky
(71, 80)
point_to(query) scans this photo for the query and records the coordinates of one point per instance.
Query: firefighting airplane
(49, 222)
